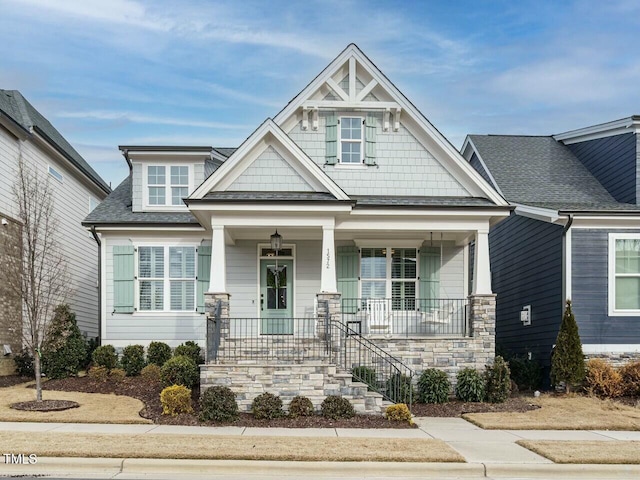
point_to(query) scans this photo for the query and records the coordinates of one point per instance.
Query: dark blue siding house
(575, 233)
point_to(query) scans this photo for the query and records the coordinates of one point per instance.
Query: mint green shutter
(123, 278)
(429, 277)
(204, 266)
(370, 140)
(347, 269)
(331, 138)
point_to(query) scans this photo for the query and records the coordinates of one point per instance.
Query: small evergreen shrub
(98, 373)
(400, 389)
(567, 361)
(64, 351)
(433, 386)
(365, 375)
(179, 370)
(117, 375)
(151, 373)
(176, 399)
(132, 360)
(90, 345)
(631, 378)
(189, 349)
(158, 353)
(24, 364)
(267, 406)
(498, 381)
(602, 379)
(336, 407)
(527, 374)
(218, 404)
(105, 356)
(300, 407)
(470, 386)
(398, 413)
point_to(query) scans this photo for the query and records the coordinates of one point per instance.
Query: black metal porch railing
(435, 317)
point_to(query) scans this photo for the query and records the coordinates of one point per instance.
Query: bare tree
(39, 274)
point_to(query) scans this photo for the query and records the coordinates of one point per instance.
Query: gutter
(97, 239)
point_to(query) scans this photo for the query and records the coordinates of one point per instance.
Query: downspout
(567, 226)
(564, 259)
(97, 239)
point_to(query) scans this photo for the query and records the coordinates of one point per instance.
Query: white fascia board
(397, 224)
(173, 156)
(272, 219)
(469, 146)
(609, 129)
(269, 207)
(13, 128)
(537, 213)
(448, 151)
(606, 222)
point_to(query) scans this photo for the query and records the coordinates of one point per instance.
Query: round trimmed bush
(117, 375)
(631, 378)
(64, 350)
(498, 381)
(398, 413)
(151, 373)
(267, 406)
(300, 406)
(105, 356)
(218, 404)
(176, 399)
(189, 349)
(470, 386)
(98, 373)
(179, 370)
(133, 360)
(336, 407)
(433, 386)
(158, 353)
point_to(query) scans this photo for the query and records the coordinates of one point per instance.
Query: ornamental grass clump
(158, 353)
(267, 406)
(218, 404)
(433, 386)
(470, 386)
(133, 360)
(335, 407)
(631, 379)
(300, 406)
(179, 370)
(602, 380)
(175, 400)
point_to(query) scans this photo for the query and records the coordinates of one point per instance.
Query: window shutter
(370, 140)
(347, 268)
(331, 128)
(123, 278)
(204, 265)
(429, 277)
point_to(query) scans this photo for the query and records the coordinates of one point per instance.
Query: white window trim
(167, 207)
(167, 281)
(388, 277)
(54, 173)
(613, 312)
(362, 143)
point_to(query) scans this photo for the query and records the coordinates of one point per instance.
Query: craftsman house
(345, 226)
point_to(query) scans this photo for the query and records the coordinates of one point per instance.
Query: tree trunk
(36, 367)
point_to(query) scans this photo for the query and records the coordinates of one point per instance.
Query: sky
(143, 72)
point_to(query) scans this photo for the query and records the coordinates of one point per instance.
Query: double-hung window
(179, 184)
(156, 182)
(390, 273)
(166, 289)
(351, 139)
(167, 185)
(624, 273)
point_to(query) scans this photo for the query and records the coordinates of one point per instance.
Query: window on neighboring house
(55, 174)
(167, 185)
(351, 139)
(624, 268)
(93, 203)
(171, 289)
(390, 273)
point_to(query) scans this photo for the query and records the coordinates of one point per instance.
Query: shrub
(631, 378)
(98, 373)
(179, 370)
(470, 386)
(527, 374)
(176, 399)
(158, 353)
(189, 349)
(567, 361)
(498, 381)
(400, 389)
(24, 364)
(433, 386)
(105, 356)
(218, 404)
(602, 380)
(300, 407)
(133, 360)
(365, 375)
(63, 351)
(398, 413)
(117, 375)
(90, 345)
(336, 407)
(151, 373)
(267, 406)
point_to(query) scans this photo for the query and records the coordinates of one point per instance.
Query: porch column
(218, 272)
(328, 283)
(482, 268)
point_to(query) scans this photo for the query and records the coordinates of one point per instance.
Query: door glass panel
(277, 287)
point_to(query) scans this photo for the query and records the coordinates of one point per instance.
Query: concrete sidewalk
(489, 453)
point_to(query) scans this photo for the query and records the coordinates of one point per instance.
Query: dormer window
(167, 185)
(179, 184)
(156, 180)
(351, 139)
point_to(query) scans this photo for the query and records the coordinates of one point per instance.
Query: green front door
(276, 297)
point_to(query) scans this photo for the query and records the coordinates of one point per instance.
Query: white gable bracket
(396, 120)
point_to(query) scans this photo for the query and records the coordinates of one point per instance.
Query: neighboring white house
(78, 189)
(376, 211)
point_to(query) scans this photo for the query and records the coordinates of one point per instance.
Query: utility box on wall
(525, 315)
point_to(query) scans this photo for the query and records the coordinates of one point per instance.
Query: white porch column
(218, 272)
(482, 268)
(328, 282)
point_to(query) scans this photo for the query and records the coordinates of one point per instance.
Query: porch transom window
(625, 272)
(390, 273)
(166, 289)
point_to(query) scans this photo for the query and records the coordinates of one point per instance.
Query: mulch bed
(11, 380)
(456, 408)
(45, 405)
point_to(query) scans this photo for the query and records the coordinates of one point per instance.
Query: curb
(58, 465)
(547, 470)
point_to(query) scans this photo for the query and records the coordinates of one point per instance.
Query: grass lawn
(610, 452)
(50, 444)
(571, 412)
(94, 407)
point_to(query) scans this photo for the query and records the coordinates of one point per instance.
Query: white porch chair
(378, 315)
(440, 316)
